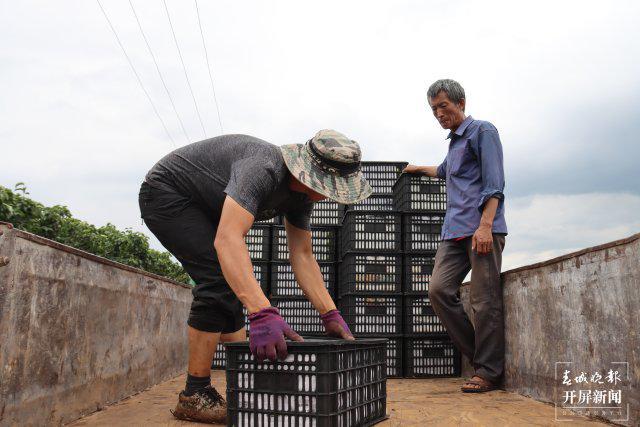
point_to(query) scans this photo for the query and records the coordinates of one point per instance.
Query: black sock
(195, 383)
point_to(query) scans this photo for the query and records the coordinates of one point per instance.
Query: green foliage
(56, 223)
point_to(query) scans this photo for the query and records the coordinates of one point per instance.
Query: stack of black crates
(370, 272)
(376, 258)
(428, 351)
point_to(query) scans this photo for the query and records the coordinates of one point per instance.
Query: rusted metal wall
(582, 308)
(78, 331)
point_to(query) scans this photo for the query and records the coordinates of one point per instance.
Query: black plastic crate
(395, 347)
(369, 315)
(300, 315)
(327, 212)
(417, 273)
(420, 319)
(219, 358)
(258, 241)
(421, 232)
(419, 193)
(322, 383)
(371, 274)
(382, 175)
(273, 221)
(284, 283)
(430, 358)
(323, 242)
(370, 232)
(374, 202)
(246, 319)
(261, 272)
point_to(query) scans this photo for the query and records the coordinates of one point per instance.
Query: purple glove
(266, 330)
(335, 326)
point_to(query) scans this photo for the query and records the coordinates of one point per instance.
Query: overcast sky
(559, 79)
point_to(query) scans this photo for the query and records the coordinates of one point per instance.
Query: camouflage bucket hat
(329, 163)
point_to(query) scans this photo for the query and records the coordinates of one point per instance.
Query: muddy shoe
(205, 406)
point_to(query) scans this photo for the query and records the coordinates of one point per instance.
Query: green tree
(56, 223)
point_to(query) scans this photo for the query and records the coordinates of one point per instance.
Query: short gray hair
(452, 88)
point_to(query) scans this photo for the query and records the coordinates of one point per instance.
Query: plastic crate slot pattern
(373, 203)
(394, 357)
(258, 241)
(219, 358)
(246, 319)
(300, 315)
(415, 193)
(261, 273)
(319, 385)
(370, 273)
(275, 220)
(422, 232)
(372, 315)
(382, 175)
(420, 317)
(323, 243)
(284, 283)
(362, 415)
(371, 232)
(327, 212)
(426, 357)
(417, 273)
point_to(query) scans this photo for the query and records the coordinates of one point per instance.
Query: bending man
(202, 199)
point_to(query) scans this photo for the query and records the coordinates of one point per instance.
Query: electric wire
(113, 30)
(155, 62)
(184, 67)
(206, 55)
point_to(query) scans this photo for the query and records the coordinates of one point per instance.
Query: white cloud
(545, 226)
(557, 78)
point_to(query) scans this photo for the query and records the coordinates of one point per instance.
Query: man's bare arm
(424, 170)
(233, 255)
(306, 269)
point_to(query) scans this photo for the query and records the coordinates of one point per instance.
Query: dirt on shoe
(205, 406)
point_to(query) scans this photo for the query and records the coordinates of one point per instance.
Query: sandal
(477, 385)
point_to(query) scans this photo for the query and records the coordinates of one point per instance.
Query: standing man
(201, 200)
(473, 235)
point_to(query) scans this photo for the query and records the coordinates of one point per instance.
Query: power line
(158, 70)
(184, 68)
(206, 55)
(136, 73)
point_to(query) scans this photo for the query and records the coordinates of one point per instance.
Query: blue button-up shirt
(474, 172)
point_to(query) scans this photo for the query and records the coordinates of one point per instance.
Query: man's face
(449, 114)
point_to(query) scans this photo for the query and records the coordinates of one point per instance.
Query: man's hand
(412, 169)
(266, 335)
(335, 326)
(482, 241)
(431, 171)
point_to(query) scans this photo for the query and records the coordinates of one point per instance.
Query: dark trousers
(188, 232)
(484, 346)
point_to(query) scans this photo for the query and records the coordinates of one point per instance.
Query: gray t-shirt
(249, 170)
